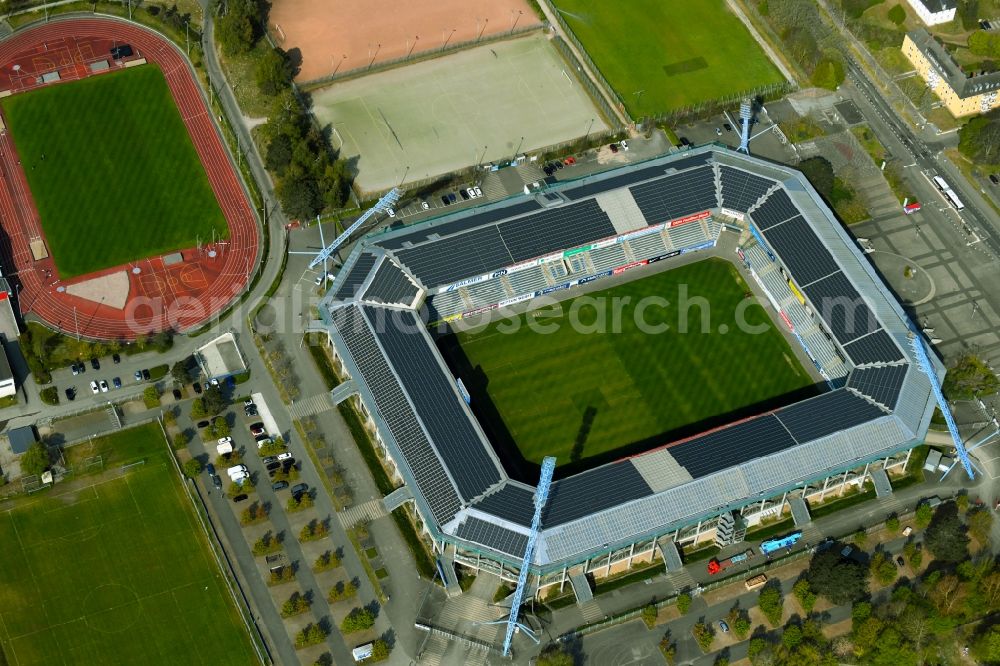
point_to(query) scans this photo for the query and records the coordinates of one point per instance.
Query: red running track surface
(179, 296)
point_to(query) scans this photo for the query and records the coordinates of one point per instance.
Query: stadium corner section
(179, 291)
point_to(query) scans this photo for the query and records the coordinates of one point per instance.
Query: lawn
(118, 572)
(112, 169)
(678, 53)
(577, 394)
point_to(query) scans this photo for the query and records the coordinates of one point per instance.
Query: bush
(839, 579)
(181, 439)
(704, 636)
(281, 575)
(892, 523)
(220, 427)
(326, 561)
(300, 503)
(897, 14)
(151, 397)
(272, 448)
(266, 545)
(946, 536)
(805, 596)
(295, 605)
(380, 650)
(771, 605)
(739, 622)
(35, 460)
(158, 372)
(314, 530)
(923, 516)
(192, 468)
(344, 589)
(649, 614)
(312, 634)
(253, 514)
(883, 569)
(49, 395)
(683, 603)
(829, 74)
(358, 619)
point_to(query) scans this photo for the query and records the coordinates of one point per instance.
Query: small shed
(933, 460)
(22, 438)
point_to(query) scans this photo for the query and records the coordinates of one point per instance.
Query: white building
(7, 387)
(933, 12)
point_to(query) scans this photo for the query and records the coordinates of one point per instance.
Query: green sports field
(120, 179)
(600, 391)
(677, 52)
(117, 572)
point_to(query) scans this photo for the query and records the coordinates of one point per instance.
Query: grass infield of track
(679, 53)
(120, 179)
(116, 573)
(633, 385)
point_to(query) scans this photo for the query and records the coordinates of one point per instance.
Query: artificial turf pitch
(120, 179)
(600, 391)
(661, 56)
(118, 572)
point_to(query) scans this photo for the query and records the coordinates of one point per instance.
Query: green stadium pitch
(116, 572)
(113, 170)
(661, 56)
(596, 391)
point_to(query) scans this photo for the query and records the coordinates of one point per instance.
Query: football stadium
(657, 435)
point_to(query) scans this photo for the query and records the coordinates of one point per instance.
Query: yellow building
(963, 93)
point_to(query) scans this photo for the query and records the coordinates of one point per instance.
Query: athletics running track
(178, 296)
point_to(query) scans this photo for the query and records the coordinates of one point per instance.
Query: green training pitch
(120, 179)
(597, 391)
(678, 53)
(117, 572)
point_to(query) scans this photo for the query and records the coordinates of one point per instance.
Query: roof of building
(965, 84)
(21, 438)
(468, 498)
(6, 374)
(935, 6)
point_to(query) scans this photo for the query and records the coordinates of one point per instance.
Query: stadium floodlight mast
(386, 202)
(924, 361)
(746, 120)
(541, 497)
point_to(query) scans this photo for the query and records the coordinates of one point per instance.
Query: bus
(941, 183)
(953, 199)
(757, 581)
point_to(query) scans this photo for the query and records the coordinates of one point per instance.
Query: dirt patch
(341, 35)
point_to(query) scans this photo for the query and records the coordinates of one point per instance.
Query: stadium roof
(457, 480)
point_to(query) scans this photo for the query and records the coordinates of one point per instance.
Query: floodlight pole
(745, 115)
(387, 201)
(541, 497)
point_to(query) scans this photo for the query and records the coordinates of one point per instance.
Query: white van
(236, 470)
(224, 447)
(363, 652)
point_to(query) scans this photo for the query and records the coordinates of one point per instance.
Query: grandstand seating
(650, 245)
(606, 258)
(530, 279)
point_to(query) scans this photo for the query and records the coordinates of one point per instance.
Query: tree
(829, 74)
(380, 650)
(819, 171)
(49, 395)
(923, 515)
(892, 523)
(805, 596)
(35, 460)
(962, 502)
(213, 400)
(295, 605)
(181, 371)
(326, 561)
(669, 649)
(198, 409)
(986, 44)
(969, 377)
(220, 427)
(986, 647)
(266, 545)
(839, 579)
(883, 569)
(181, 439)
(279, 154)
(311, 634)
(771, 604)
(683, 603)
(358, 619)
(649, 614)
(739, 622)
(344, 589)
(979, 140)
(236, 29)
(554, 655)
(273, 72)
(946, 537)
(703, 635)
(980, 522)
(299, 195)
(896, 14)
(192, 468)
(791, 637)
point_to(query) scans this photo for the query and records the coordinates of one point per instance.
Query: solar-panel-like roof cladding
(441, 450)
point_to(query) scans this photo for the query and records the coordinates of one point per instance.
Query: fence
(595, 93)
(417, 57)
(715, 106)
(611, 94)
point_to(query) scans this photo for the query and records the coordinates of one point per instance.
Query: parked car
(723, 627)
(390, 212)
(465, 194)
(236, 470)
(225, 440)
(994, 179)
(217, 482)
(268, 460)
(425, 205)
(210, 469)
(138, 375)
(177, 394)
(285, 455)
(299, 488)
(71, 393)
(197, 388)
(117, 382)
(899, 561)
(250, 411)
(203, 424)
(279, 485)
(684, 141)
(93, 387)
(569, 161)
(261, 443)
(257, 429)
(273, 466)
(145, 374)
(718, 132)
(613, 147)
(624, 145)
(116, 358)
(728, 127)
(104, 386)
(907, 531)
(240, 498)
(75, 369)
(95, 364)
(444, 200)
(452, 198)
